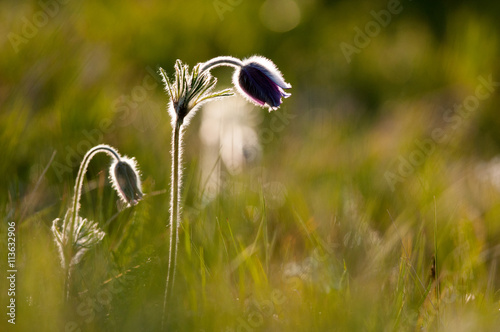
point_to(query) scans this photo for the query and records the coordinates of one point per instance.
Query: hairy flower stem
(221, 61)
(256, 78)
(76, 207)
(175, 211)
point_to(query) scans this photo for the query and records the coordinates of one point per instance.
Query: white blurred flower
(228, 133)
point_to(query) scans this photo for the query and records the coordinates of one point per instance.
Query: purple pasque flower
(260, 81)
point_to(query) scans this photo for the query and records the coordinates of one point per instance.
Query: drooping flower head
(260, 81)
(256, 78)
(126, 180)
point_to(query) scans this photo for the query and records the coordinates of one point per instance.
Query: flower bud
(126, 180)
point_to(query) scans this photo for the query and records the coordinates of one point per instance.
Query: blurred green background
(386, 155)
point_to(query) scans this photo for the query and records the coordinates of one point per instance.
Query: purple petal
(268, 67)
(261, 82)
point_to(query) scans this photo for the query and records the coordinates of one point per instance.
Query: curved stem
(221, 61)
(68, 237)
(174, 213)
(83, 168)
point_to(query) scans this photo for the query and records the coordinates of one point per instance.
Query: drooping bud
(126, 180)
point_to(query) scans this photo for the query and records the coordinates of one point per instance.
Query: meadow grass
(319, 257)
(312, 236)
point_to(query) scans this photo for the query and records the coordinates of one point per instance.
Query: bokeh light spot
(280, 15)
